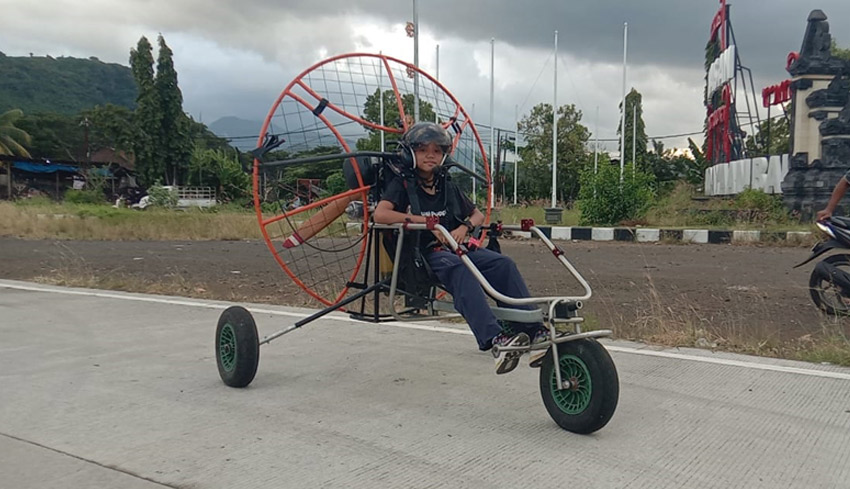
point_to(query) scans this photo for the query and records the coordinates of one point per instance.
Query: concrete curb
(654, 235)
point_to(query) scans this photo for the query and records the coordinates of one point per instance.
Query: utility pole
(415, 62)
(86, 123)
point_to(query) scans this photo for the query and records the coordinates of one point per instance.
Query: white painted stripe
(732, 363)
(746, 236)
(695, 236)
(561, 232)
(439, 329)
(602, 234)
(645, 235)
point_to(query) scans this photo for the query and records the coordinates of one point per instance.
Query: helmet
(427, 132)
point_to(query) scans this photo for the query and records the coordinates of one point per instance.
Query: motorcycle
(829, 283)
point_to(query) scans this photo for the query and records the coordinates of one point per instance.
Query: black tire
(237, 347)
(590, 404)
(824, 293)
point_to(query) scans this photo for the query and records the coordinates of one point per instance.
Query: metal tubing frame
(552, 301)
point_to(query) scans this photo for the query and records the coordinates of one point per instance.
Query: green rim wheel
(575, 399)
(237, 347)
(227, 347)
(590, 399)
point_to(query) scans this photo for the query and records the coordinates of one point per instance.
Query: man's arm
(385, 213)
(837, 194)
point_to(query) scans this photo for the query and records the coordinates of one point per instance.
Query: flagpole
(381, 99)
(436, 115)
(555, 129)
(623, 109)
(474, 160)
(516, 147)
(492, 109)
(415, 62)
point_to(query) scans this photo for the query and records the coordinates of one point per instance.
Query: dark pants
(469, 297)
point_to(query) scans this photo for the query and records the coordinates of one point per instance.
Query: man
(425, 147)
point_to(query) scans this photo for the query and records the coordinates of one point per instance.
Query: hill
(64, 85)
(241, 133)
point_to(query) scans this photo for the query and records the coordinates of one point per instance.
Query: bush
(604, 201)
(758, 200)
(92, 196)
(162, 197)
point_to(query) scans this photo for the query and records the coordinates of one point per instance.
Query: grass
(675, 322)
(45, 220)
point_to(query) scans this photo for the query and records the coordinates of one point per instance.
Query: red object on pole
(410, 28)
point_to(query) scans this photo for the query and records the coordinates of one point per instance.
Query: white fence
(734, 177)
(194, 196)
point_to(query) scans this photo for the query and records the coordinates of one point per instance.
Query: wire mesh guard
(353, 102)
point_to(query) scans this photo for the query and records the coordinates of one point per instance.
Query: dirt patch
(720, 292)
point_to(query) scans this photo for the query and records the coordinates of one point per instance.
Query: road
(111, 389)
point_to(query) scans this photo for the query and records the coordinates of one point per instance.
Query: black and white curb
(654, 235)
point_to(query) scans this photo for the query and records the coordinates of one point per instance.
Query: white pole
(516, 147)
(555, 129)
(415, 62)
(623, 109)
(492, 109)
(634, 139)
(436, 115)
(596, 150)
(596, 144)
(381, 98)
(474, 158)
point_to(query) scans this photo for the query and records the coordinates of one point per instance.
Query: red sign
(719, 135)
(777, 94)
(719, 23)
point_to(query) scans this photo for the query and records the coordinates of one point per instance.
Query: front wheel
(589, 402)
(827, 295)
(237, 347)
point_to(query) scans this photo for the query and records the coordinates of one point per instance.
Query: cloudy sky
(234, 57)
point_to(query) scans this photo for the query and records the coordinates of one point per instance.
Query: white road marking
(439, 329)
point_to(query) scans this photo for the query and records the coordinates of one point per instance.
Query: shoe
(508, 360)
(536, 357)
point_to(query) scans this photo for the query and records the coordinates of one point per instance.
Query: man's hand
(460, 233)
(823, 214)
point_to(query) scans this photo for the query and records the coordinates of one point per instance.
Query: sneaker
(536, 356)
(508, 360)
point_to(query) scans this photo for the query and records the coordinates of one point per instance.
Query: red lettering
(776, 94)
(717, 23)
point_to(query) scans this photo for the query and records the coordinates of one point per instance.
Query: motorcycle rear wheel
(826, 295)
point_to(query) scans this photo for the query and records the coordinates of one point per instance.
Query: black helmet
(427, 132)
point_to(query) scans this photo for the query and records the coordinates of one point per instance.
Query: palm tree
(12, 139)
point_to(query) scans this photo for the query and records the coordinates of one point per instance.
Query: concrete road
(105, 389)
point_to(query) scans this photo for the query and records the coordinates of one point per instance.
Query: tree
(838, 52)
(634, 105)
(13, 139)
(392, 116)
(174, 148)
(779, 133)
(146, 117)
(111, 126)
(535, 180)
(605, 201)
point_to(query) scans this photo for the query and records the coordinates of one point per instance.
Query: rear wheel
(827, 295)
(591, 398)
(237, 347)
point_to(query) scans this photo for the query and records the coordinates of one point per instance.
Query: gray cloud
(235, 57)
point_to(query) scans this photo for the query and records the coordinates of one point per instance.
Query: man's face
(428, 156)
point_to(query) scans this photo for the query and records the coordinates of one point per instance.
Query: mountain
(63, 85)
(241, 133)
